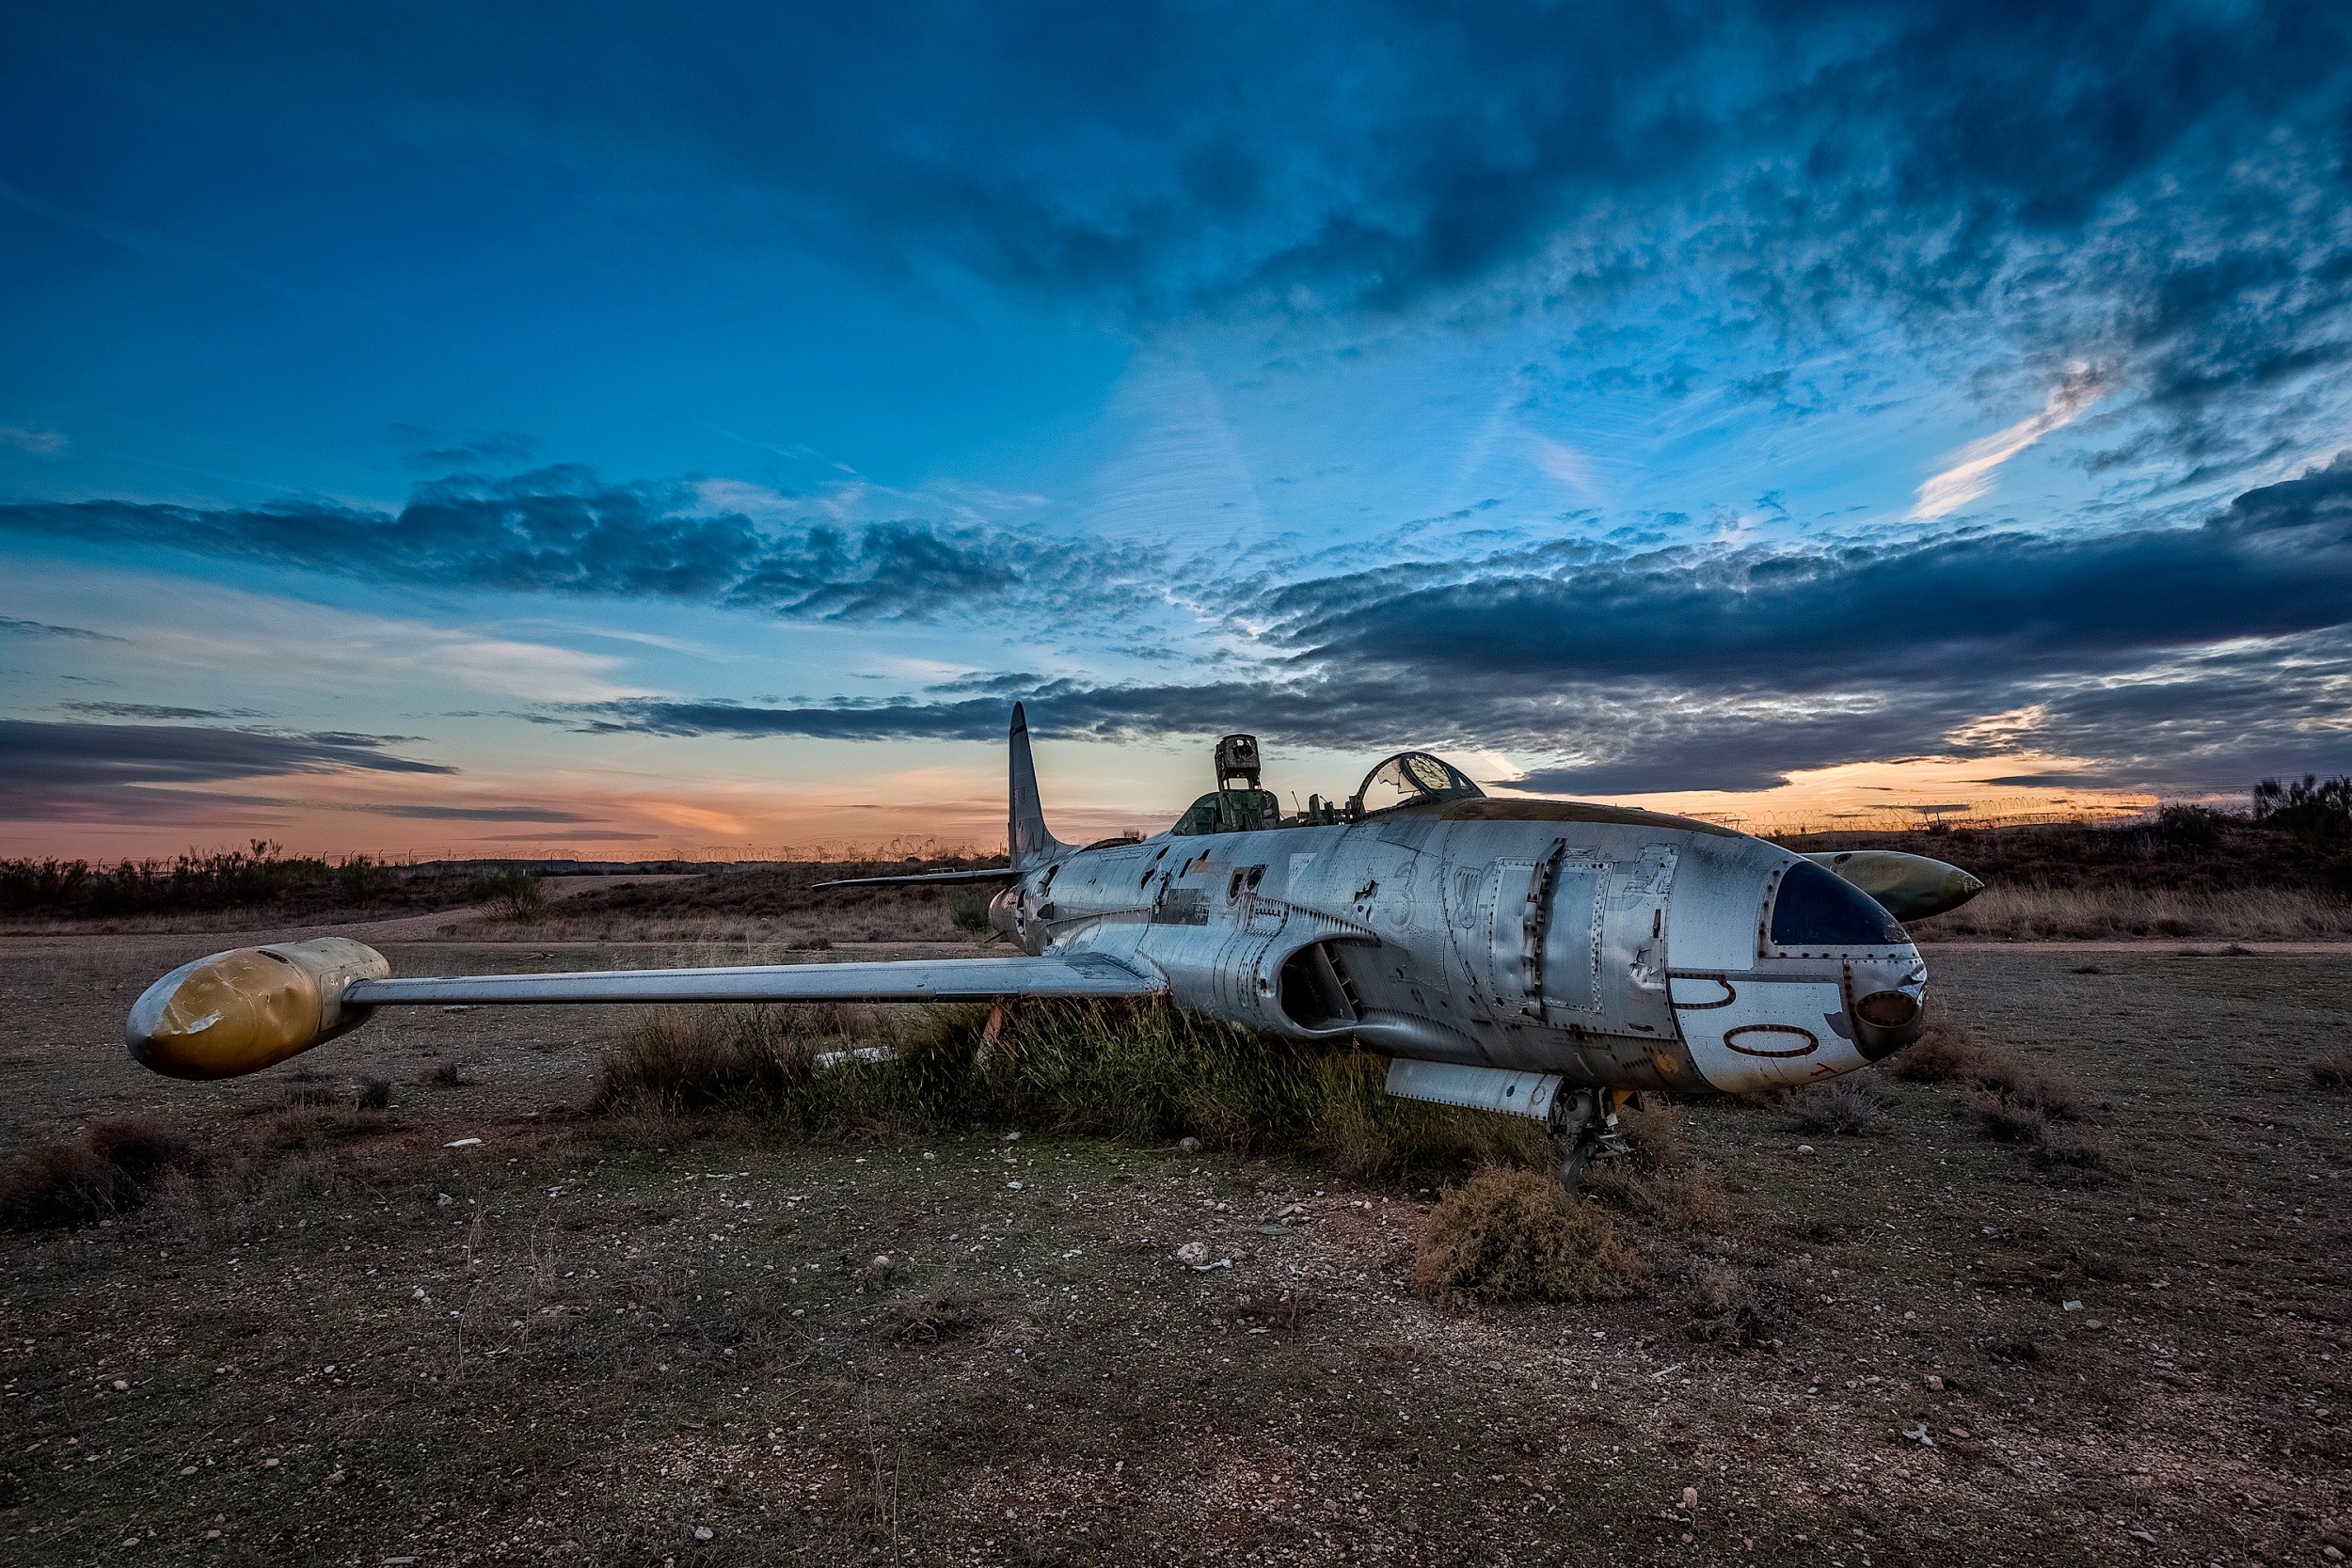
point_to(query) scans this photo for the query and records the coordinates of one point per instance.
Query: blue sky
(500, 426)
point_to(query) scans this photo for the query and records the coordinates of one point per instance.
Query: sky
(632, 430)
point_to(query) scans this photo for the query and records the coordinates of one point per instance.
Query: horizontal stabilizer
(920, 980)
(930, 878)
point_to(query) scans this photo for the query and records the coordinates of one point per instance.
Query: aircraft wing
(240, 1011)
(916, 980)
(927, 878)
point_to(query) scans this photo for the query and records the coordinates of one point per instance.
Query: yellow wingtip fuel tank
(251, 1008)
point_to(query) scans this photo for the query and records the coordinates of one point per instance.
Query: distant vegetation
(258, 876)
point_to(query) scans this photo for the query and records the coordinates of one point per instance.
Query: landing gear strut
(1585, 1125)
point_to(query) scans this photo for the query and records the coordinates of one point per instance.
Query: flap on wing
(920, 980)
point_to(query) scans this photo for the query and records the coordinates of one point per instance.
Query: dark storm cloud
(72, 771)
(2153, 187)
(2177, 657)
(564, 531)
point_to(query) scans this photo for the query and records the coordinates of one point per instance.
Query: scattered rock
(1191, 1146)
(1805, 1149)
(702, 1532)
(120, 1384)
(1936, 1383)
(1689, 1497)
(2070, 1306)
(2143, 1535)
(1193, 1255)
(336, 1478)
(1919, 1434)
(878, 1272)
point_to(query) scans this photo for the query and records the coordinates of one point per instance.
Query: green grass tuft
(1143, 1072)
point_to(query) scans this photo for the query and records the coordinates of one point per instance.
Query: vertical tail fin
(1025, 831)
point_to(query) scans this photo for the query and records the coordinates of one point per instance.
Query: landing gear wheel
(1581, 1151)
(1588, 1125)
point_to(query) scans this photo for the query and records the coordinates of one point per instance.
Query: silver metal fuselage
(1618, 950)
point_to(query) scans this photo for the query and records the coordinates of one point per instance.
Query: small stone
(1193, 1255)
(120, 1384)
(931, 1154)
(1936, 1383)
(702, 1532)
(1191, 1146)
(877, 1271)
(269, 1464)
(2070, 1306)
(443, 1202)
(336, 1478)
(1919, 1434)
(2143, 1535)
(1012, 1137)
(1805, 1149)
(2333, 1554)
(1689, 1497)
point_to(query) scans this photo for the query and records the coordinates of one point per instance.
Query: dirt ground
(370, 1339)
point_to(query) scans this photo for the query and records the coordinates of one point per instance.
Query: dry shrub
(374, 1094)
(1509, 1234)
(1947, 1054)
(1944, 1051)
(113, 1166)
(2332, 1069)
(2057, 1143)
(1730, 1306)
(940, 1313)
(1688, 1198)
(1653, 1129)
(1851, 1105)
(449, 1075)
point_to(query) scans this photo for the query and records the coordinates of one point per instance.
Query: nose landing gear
(1584, 1124)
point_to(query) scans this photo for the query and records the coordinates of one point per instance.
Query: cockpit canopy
(1411, 779)
(1407, 779)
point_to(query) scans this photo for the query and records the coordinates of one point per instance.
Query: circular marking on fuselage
(1728, 997)
(1812, 1041)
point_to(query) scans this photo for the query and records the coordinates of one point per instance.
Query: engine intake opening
(1314, 992)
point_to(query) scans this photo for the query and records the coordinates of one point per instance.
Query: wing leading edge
(916, 981)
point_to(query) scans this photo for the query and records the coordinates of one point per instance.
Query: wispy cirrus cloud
(1973, 468)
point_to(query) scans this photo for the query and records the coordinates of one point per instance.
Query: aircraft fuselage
(1619, 949)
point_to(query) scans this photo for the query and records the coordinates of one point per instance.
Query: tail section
(1025, 831)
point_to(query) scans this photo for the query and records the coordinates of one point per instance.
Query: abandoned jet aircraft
(1543, 957)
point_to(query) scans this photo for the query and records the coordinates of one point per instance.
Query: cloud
(90, 772)
(1972, 467)
(469, 814)
(41, 443)
(2166, 655)
(564, 531)
(498, 449)
(2154, 188)
(42, 628)
(155, 711)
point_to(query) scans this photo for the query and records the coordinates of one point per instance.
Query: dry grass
(111, 1167)
(2015, 1101)
(2036, 911)
(2332, 1069)
(1849, 1106)
(1146, 1073)
(1509, 1234)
